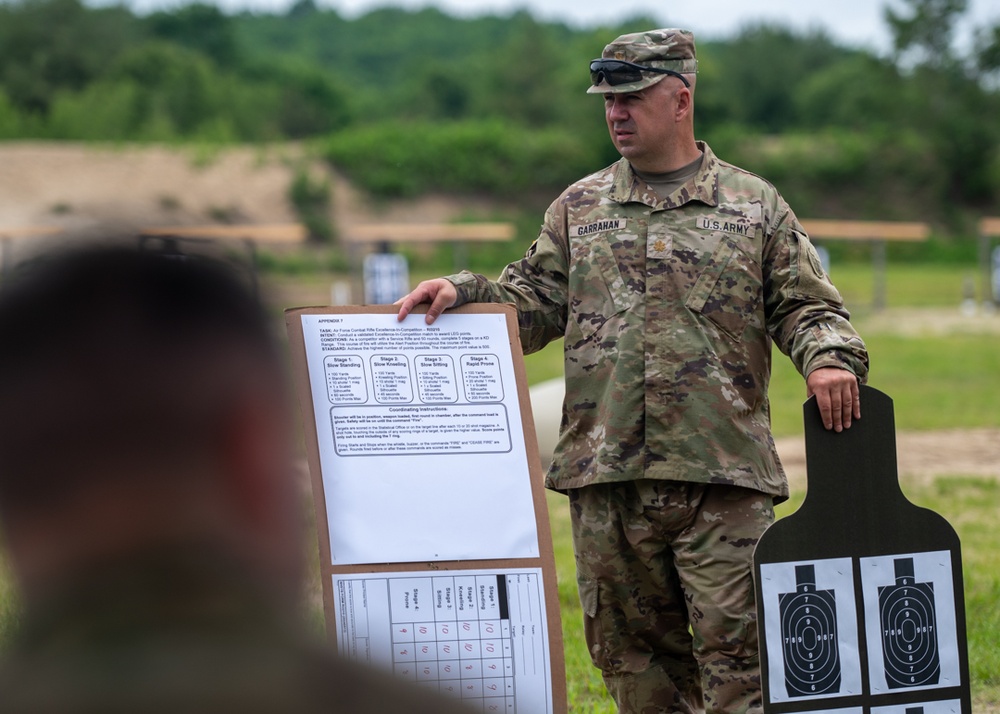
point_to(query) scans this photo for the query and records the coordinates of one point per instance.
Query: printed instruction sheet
(420, 425)
(477, 635)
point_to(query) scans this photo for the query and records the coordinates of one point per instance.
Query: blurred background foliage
(408, 102)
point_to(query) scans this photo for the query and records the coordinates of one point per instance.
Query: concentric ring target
(809, 637)
(909, 630)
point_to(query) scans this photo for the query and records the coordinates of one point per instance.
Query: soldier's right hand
(440, 293)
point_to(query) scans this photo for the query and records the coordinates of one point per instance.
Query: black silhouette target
(885, 626)
(809, 637)
(909, 630)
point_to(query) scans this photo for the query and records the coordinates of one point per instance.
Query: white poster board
(435, 549)
(425, 422)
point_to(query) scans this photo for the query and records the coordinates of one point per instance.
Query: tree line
(411, 101)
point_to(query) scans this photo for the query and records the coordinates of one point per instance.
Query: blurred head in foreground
(141, 407)
(147, 503)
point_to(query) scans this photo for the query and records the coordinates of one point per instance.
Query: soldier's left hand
(837, 396)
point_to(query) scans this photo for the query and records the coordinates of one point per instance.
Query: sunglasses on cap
(616, 72)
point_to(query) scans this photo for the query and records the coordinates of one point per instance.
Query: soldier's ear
(684, 103)
(253, 454)
(259, 491)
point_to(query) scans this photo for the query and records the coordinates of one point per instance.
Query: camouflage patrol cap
(671, 49)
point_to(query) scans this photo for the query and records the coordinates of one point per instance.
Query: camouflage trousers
(666, 583)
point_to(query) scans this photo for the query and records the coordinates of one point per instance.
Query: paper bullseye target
(809, 636)
(909, 630)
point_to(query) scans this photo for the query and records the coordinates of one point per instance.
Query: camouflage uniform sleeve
(536, 284)
(806, 316)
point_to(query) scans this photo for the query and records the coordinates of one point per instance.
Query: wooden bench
(429, 232)
(383, 235)
(365, 233)
(989, 228)
(364, 236)
(878, 233)
(293, 233)
(283, 233)
(250, 235)
(379, 235)
(459, 234)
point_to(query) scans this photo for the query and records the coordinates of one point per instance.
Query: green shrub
(399, 160)
(310, 196)
(10, 120)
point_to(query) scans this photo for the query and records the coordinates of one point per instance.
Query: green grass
(546, 364)
(948, 382)
(585, 690)
(906, 284)
(972, 505)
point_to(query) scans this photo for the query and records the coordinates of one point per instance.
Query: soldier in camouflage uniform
(669, 274)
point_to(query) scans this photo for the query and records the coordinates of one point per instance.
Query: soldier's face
(642, 125)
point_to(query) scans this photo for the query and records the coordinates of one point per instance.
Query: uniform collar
(627, 187)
